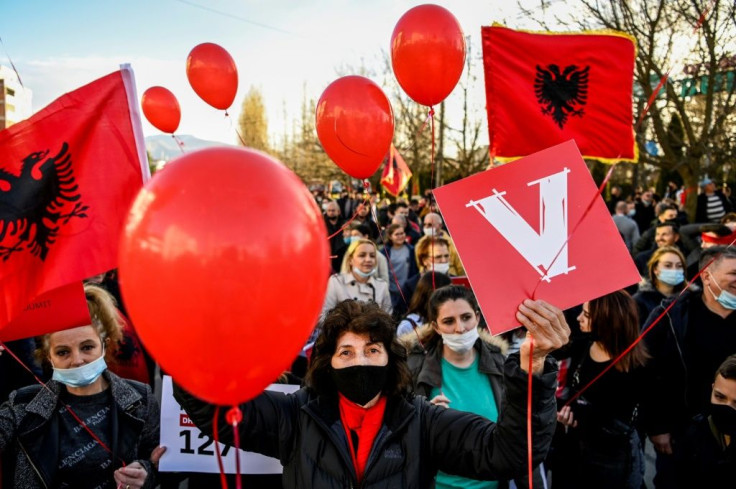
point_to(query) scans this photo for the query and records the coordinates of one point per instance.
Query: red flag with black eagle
(546, 88)
(396, 173)
(67, 178)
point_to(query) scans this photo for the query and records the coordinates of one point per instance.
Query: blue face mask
(725, 298)
(362, 274)
(81, 376)
(350, 239)
(671, 276)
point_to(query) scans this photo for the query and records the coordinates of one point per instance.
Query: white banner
(190, 450)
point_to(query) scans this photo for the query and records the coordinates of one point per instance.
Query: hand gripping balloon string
(234, 416)
(215, 435)
(529, 450)
(66, 406)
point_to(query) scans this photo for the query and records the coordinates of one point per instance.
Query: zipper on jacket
(333, 437)
(35, 469)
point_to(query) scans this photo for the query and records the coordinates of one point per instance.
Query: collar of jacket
(39, 435)
(348, 279)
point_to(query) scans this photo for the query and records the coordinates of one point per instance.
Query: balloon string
(65, 405)
(215, 436)
(235, 128)
(179, 142)
(234, 417)
(529, 450)
(430, 117)
(390, 265)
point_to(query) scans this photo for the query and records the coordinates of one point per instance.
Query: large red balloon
(213, 75)
(161, 109)
(355, 124)
(428, 53)
(223, 266)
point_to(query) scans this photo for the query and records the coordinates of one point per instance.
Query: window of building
(11, 92)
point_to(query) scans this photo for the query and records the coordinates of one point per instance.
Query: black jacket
(29, 431)
(417, 439)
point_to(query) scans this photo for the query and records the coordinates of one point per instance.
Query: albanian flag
(67, 178)
(544, 89)
(396, 173)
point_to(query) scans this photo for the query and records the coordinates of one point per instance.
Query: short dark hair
(402, 204)
(727, 370)
(665, 206)
(449, 293)
(361, 228)
(360, 318)
(425, 286)
(675, 227)
(715, 253)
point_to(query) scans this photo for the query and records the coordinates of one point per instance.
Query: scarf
(361, 427)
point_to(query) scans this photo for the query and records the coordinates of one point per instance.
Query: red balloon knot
(431, 112)
(234, 416)
(366, 184)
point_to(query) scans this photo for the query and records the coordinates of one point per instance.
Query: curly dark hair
(360, 318)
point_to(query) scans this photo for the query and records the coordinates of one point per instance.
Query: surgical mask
(362, 274)
(461, 342)
(724, 417)
(671, 276)
(441, 268)
(350, 239)
(430, 232)
(360, 383)
(83, 375)
(632, 212)
(725, 298)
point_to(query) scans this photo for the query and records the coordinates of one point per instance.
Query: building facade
(15, 100)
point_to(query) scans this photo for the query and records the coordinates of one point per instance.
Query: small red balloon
(428, 53)
(355, 124)
(213, 75)
(161, 109)
(223, 266)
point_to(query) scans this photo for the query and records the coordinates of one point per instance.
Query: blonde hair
(105, 317)
(654, 261)
(345, 266)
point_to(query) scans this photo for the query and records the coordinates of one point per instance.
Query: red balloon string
(529, 450)
(347, 223)
(179, 142)
(66, 406)
(385, 252)
(234, 417)
(215, 436)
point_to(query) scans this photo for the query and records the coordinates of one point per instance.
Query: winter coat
(426, 369)
(29, 431)
(416, 439)
(343, 286)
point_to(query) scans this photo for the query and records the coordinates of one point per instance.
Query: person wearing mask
(45, 445)
(453, 364)
(708, 454)
(696, 335)
(433, 228)
(403, 268)
(416, 316)
(434, 255)
(334, 224)
(355, 425)
(600, 425)
(626, 226)
(665, 277)
(358, 231)
(357, 279)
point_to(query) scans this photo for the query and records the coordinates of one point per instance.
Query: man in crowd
(433, 227)
(666, 212)
(712, 204)
(626, 226)
(644, 211)
(334, 223)
(665, 234)
(686, 347)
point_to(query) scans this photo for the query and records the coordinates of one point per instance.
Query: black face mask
(724, 417)
(360, 383)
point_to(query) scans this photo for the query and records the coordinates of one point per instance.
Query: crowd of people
(402, 385)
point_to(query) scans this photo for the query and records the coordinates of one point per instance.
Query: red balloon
(161, 109)
(213, 75)
(223, 266)
(355, 124)
(428, 53)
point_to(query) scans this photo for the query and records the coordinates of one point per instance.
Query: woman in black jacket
(354, 425)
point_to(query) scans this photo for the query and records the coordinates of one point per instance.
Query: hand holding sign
(548, 326)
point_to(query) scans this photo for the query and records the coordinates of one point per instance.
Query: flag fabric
(546, 88)
(396, 173)
(67, 178)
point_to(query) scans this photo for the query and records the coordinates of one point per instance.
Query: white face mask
(441, 268)
(462, 342)
(430, 232)
(83, 375)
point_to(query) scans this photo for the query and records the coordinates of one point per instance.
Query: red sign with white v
(527, 229)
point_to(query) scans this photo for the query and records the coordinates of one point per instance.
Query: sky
(286, 49)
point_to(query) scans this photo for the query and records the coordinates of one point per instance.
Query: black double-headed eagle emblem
(562, 94)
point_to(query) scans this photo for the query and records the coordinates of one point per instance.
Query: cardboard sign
(190, 450)
(56, 310)
(522, 231)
